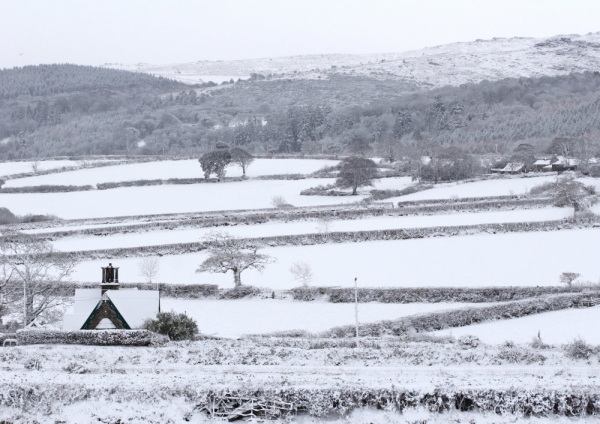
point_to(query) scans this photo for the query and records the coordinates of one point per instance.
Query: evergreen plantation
(64, 110)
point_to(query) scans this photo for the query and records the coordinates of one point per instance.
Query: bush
(578, 349)
(241, 292)
(175, 326)
(7, 217)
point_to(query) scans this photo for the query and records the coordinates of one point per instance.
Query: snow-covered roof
(134, 305)
(513, 167)
(542, 162)
(561, 160)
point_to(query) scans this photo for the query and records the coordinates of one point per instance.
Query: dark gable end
(105, 309)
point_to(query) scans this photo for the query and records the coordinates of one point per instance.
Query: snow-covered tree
(241, 158)
(356, 172)
(228, 253)
(215, 163)
(33, 272)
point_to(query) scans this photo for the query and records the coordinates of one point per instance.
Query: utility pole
(24, 305)
(356, 310)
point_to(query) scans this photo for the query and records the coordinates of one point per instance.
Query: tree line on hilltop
(64, 110)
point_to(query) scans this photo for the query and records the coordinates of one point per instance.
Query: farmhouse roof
(135, 306)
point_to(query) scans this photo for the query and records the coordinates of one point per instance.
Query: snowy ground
(485, 188)
(154, 238)
(234, 318)
(168, 169)
(168, 393)
(555, 327)
(517, 259)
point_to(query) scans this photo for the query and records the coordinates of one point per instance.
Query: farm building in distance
(108, 308)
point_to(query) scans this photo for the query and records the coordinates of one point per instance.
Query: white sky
(95, 32)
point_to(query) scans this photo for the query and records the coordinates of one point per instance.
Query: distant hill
(75, 110)
(44, 80)
(451, 64)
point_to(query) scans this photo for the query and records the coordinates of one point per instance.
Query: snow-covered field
(154, 238)
(234, 318)
(168, 169)
(555, 328)
(518, 259)
(485, 188)
(127, 201)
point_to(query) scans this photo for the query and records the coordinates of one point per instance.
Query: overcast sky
(95, 32)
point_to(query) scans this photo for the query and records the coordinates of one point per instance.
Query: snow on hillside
(516, 259)
(450, 64)
(555, 327)
(168, 169)
(154, 238)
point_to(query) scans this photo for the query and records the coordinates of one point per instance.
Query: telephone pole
(356, 311)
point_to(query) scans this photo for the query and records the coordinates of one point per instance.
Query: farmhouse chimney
(110, 278)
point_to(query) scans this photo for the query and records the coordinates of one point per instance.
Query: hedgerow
(461, 317)
(428, 294)
(90, 337)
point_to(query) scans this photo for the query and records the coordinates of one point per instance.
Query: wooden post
(356, 311)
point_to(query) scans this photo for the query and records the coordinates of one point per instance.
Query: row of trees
(216, 161)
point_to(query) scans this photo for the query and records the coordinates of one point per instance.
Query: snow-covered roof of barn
(513, 166)
(541, 162)
(134, 305)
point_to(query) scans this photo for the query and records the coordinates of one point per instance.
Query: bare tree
(241, 158)
(302, 272)
(568, 278)
(34, 273)
(324, 225)
(149, 268)
(228, 253)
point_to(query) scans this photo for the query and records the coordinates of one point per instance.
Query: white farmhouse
(108, 307)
